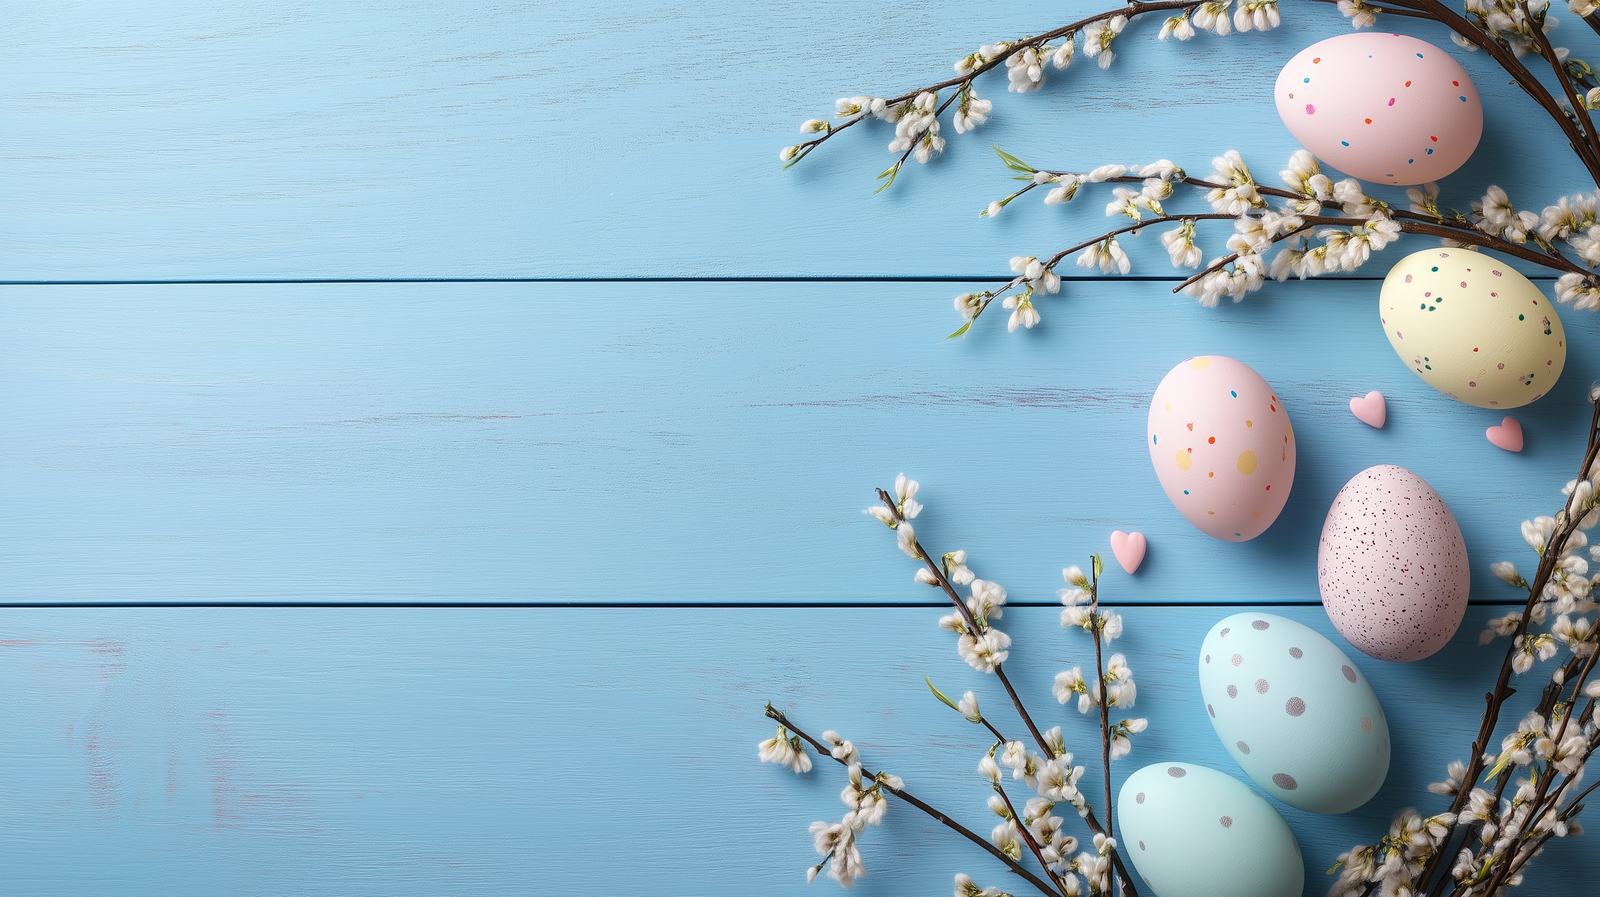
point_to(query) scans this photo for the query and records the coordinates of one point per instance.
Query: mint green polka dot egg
(1295, 712)
(1194, 832)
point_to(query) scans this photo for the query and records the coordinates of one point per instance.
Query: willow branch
(1502, 690)
(1131, 11)
(1027, 837)
(1016, 701)
(1016, 867)
(1519, 72)
(1549, 53)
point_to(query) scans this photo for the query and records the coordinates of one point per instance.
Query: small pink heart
(1129, 549)
(1507, 436)
(1371, 410)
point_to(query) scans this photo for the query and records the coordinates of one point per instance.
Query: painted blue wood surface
(202, 139)
(517, 751)
(644, 446)
(670, 443)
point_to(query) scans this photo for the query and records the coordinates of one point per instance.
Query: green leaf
(1099, 567)
(891, 173)
(940, 695)
(961, 330)
(1012, 162)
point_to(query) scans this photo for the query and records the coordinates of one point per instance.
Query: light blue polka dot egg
(1295, 712)
(1181, 823)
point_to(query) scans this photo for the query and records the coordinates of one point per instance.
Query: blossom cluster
(1509, 822)
(1047, 767)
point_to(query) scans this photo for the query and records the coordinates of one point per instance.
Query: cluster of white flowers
(1553, 741)
(1395, 861)
(1098, 36)
(862, 795)
(1508, 25)
(785, 750)
(836, 841)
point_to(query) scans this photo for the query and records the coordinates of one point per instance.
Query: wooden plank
(187, 139)
(573, 751)
(678, 442)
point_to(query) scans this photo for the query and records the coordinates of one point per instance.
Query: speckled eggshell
(1392, 565)
(1472, 328)
(1383, 107)
(1222, 446)
(1295, 713)
(1176, 820)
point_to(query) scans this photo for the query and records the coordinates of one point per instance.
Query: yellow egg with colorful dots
(1472, 328)
(1222, 446)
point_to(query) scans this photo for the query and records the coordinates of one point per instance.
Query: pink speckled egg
(1392, 565)
(1382, 107)
(1222, 446)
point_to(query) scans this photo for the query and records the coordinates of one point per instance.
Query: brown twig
(1502, 690)
(1016, 867)
(1513, 67)
(1549, 53)
(999, 672)
(1131, 11)
(1105, 694)
(1027, 837)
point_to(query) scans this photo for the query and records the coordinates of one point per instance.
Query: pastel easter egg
(1392, 565)
(1222, 446)
(1472, 328)
(1382, 107)
(1295, 712)
(1178, 820)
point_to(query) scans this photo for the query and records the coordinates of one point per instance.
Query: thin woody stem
(1502, 690)
(1407, 225)
(1549, 773)
(1016, 701)
(1131, 11)
(1027, 837)
(1549, 53)
(1105, 709)
(1519, 72)
(1016, 867)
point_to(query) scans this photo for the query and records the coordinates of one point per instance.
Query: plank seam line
(637, 605)
(953, 278)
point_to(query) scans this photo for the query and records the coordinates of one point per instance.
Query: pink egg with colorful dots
(1383, 107)
(1222, 446)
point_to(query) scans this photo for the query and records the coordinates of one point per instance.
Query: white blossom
(785, 750)
(1025, 70)
(1213, 16)
(1177, 26)
(1097, 38)
(984, 652)
(1359, 13)
(1061, 56)
(968, 706)
(1108, 255)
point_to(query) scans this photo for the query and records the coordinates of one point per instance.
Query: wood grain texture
(189, 139)
(572, 751)
(669, 443)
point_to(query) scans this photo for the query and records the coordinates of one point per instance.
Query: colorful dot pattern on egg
(1472, 329)
(1366, 116)
(1224, 473)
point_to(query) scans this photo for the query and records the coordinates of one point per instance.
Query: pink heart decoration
(1371, 410)
(1129, 549)
(1507, 436)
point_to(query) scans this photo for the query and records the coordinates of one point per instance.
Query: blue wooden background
(428, 434)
